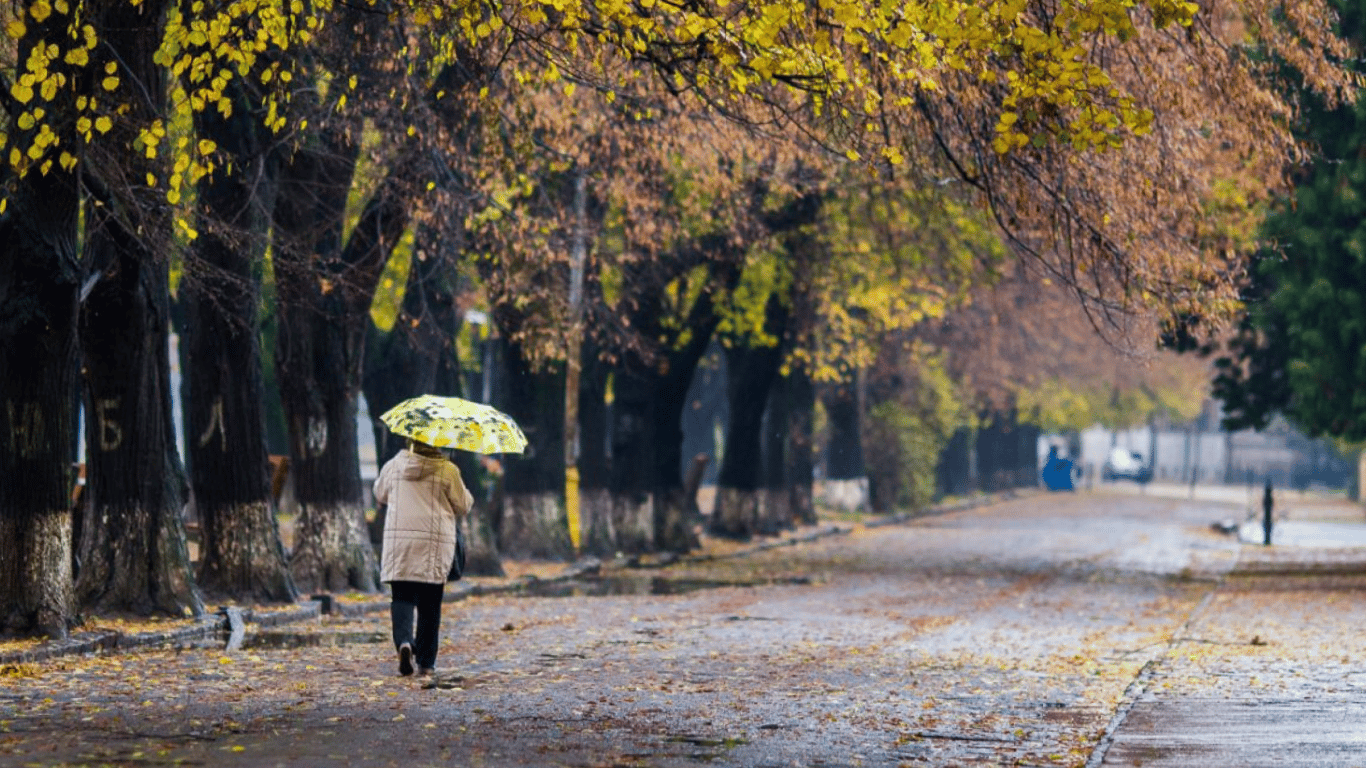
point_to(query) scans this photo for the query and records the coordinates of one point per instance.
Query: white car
(1125, 464)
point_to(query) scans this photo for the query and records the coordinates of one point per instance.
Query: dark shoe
(405, 659)
(425, 671)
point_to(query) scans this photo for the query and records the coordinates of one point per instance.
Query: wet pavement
(1090, 629)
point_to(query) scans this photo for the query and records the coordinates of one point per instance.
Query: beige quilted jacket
(426, 498)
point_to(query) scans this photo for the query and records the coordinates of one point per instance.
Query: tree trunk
(39, 282)
(798, 428)
(132, 546)
(533, 522)
(752, 372)
(846, 481)
(704, 417)
(674, 511)
(132, 550)
(633, 459)
(650, 510)
(800, 454)
(323, 296)
(775, 508)
(595, 498)
(240, 552)
(953, 472)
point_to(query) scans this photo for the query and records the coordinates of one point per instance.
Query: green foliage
(905, 436)
(1301, 348)
(388, 299)
(743, 314)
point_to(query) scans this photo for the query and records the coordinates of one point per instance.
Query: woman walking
(426, 500)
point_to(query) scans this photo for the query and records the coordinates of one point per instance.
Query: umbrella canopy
(453, 422)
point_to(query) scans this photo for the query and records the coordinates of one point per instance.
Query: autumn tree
(1025, 355)
(241, 552)
(902, 255)
(131, 544)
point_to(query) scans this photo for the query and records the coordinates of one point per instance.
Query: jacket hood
(417, 466)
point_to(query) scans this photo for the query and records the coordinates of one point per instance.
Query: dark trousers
(407, 597)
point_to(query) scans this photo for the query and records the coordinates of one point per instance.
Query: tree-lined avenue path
(1090, 629)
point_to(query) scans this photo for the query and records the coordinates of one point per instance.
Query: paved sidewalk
(1088, 629)
(1266, 673)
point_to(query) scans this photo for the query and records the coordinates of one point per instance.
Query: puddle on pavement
(643, 584)
(1305, 533)
(708, 749)
(313, 639)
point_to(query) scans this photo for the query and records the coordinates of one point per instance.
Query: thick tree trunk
(953, 472)
(533, 522)
(799, 393)
(995, 449)
(704, 417)
(40, 276)
(323, 295)
(649, 401)
(418, 354)
(132, 546)
(595, 499)
(775, 510)
(674, 511)
(39, 283)
(650, 510)
(634, 446)
(240, 552)
(746, 485)
(132, 551)
(846, 480)
(752, 371)
(800, 455)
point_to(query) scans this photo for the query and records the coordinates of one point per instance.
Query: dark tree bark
(752, 371)
(132, 546)
(954, 472)
(533, 522)
(743, 489)
(845, 474)
(418, 355)
(995, 447)
(324, 295)
(595, 500)
(651, 509)
(634, 447)
(800, 464)
(241, 554)
(132, 552)
(39, 282)
(325, 291)
(798, 428)
(775, 502)
(40, 275)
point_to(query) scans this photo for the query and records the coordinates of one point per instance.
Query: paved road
(1080, 629)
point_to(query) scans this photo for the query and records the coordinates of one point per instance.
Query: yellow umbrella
(453, 422)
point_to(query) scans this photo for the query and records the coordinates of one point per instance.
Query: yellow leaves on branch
(858, 59)
(205, 45)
